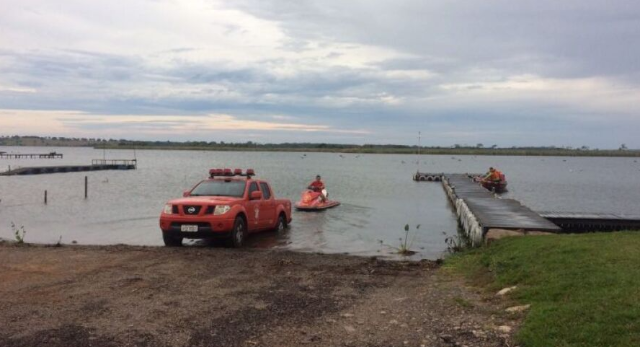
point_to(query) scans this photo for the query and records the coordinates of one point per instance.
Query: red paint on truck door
(253, 209)
(268, 207)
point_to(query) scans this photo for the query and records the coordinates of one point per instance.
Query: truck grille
(191, 210)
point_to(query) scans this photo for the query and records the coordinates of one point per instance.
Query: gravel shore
(198, 296)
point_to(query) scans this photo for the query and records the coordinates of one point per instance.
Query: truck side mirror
(186, 193)
(257, 195)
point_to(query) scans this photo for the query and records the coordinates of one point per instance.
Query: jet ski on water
(495, 186)
(314, 200)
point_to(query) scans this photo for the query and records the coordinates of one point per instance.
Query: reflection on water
(377, 194)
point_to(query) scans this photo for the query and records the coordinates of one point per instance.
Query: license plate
(189, 228)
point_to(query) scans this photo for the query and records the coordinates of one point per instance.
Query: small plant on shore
(19, 233)
(405, 244)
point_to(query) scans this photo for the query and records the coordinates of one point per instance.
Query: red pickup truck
(228, 205)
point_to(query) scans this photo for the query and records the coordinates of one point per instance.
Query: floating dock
(96, 165)
(435, 177)
(579, 222)
(51, 155)
(428, 177)
(479, 210)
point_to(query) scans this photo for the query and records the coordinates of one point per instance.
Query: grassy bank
(584, 290)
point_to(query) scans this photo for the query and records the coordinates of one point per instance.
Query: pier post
(86, 187)
(45, 197)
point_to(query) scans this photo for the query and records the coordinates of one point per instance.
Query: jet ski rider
(493, 176)
(318, 186)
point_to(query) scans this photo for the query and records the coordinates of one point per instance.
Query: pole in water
(419, 145)
(86, 186)
(45, 197)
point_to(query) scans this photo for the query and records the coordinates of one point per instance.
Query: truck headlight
(168, 209)
(221, 209)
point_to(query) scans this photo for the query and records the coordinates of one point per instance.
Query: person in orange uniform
(492, 176)
(318, 186)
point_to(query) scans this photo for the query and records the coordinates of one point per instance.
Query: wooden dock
(51, 155)
(480, 210)
(96, 165)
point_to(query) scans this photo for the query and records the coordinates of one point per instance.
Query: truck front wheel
(239, 233)
(171, 241)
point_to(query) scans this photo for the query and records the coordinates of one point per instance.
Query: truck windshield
(219, 188)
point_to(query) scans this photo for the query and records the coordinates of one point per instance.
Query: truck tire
(239, 233)
(171, 241)
(282, 223)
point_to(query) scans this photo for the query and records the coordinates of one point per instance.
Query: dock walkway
(96, 165)
(479, 210)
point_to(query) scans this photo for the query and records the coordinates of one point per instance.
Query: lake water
(377, 194)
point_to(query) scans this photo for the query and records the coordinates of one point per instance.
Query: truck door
(268, 209)
(253, 209)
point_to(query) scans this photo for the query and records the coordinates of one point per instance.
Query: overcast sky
(543, 72)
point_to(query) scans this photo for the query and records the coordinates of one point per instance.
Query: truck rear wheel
(171, 241)
(239, 233)
(282, 223)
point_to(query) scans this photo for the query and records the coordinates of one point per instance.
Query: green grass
(462, 302)
(584, 290)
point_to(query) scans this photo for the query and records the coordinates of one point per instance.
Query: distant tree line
(478, 149)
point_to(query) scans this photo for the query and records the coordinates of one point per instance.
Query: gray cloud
(569, 38)
(547, 71)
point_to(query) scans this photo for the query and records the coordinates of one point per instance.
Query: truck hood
(205, 200)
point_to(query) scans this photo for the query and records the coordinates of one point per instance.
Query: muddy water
(377, 194)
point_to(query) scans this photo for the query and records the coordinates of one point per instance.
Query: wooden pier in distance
(96, 165)
(50, 155)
